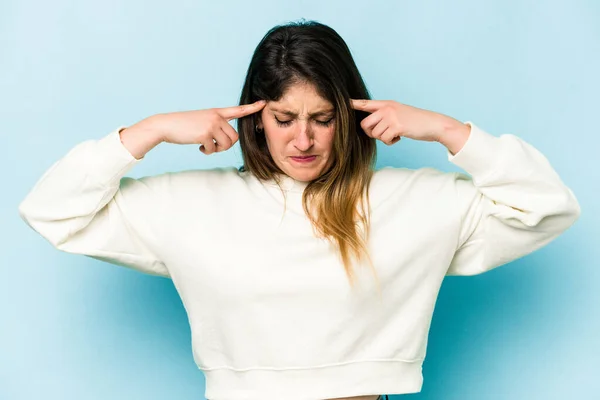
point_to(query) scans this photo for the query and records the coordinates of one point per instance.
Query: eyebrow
(293, 114)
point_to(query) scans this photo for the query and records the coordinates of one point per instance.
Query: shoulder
(217, 176)
(190, 182)
(194, 175)
(426, 178)
(429, 191)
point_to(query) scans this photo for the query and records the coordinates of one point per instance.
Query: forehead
(301, 98)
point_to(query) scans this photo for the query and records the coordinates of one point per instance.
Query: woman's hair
(313, 53)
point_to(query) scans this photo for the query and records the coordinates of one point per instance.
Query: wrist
(142, 136)
(155, 128)
(454, 135)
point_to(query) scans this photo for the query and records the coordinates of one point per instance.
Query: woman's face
(300, 124)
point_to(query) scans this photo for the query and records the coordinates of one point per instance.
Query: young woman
(305, 273)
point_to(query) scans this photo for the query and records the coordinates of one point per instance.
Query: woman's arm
(143, 136)
(512, 203)
(83, 204)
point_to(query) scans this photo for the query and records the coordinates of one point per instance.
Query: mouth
(304, 159)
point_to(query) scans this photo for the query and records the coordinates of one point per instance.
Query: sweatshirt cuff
(479, 153)
(115, 159)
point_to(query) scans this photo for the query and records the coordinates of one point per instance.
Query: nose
(303, 139)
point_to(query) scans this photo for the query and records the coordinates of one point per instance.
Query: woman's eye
(325, 123)
(322, 123)
(283, 123)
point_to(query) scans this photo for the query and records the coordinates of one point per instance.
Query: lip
(304, 159)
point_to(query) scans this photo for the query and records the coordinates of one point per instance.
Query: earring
(258, 129)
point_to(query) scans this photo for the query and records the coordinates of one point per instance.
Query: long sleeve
(512, 204)
(83, 204)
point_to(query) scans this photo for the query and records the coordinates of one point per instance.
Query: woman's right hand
(209, 128)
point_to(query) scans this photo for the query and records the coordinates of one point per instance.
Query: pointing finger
(366, 104)
(230, 113)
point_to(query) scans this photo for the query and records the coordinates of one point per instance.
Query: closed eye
(287, 123)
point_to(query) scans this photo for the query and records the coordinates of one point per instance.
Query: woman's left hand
(390, 121)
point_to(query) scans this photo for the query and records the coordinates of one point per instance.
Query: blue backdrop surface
(75, 328)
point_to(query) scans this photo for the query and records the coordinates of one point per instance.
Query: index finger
(366, 104)
(230, 113)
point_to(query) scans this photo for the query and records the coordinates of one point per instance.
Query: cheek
(329, 137)
(276, 137)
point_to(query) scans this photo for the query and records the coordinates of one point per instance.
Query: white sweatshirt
(271, 311)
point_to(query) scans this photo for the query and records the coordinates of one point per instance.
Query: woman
(271, 259)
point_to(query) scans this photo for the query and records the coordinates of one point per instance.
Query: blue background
(76, 328)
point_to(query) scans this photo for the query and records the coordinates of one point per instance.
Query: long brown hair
(311, 52)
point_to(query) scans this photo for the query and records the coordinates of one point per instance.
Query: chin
(303, 173)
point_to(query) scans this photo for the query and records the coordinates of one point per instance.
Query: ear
(259, 122)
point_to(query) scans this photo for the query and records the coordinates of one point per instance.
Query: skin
(302, 134)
